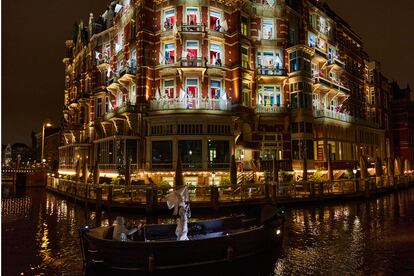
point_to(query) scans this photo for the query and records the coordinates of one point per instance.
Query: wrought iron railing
(190, 103)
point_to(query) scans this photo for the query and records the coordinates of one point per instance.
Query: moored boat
(211, 241)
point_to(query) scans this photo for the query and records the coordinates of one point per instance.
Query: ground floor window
(191, 153)
(162, 154)
(218, 154)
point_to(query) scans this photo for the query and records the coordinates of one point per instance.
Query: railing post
(214, 197)
(110, 193)
(152, 199)
(98, 198)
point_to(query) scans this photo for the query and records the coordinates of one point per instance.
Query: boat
(210, 241)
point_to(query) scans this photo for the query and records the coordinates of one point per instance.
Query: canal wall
(152, 198)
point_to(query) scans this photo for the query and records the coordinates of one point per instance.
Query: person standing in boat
(121, 232)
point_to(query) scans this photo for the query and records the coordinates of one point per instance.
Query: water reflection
(39, 235)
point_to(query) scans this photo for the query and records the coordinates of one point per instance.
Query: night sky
(33, 46)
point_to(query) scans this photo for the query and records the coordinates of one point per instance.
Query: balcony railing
(126, 107)
(191, 62)
(336, 61)
(192, 28)
(128, 70)
(271, 109)
(271, 71)
(333, 115)
(331, 84)
(190, 103)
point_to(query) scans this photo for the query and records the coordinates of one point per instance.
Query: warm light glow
(48, 125)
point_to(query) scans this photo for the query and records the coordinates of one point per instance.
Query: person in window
(167, 24)
(192, 27)
(218, 26)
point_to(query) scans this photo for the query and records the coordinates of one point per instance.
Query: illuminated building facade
(154, 80)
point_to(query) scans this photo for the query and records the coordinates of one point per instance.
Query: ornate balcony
(192, 62)
(192, 28)
(270, 71)
(271, 109)
(325, 113)
(330, 85)
(125, 108)
(190, 103)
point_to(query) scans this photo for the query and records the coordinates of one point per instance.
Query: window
(191, 153)
(244, 26)
(107, 104)
(133, 94)
(321, 44)
(192, 16)
(215, 21)
(120, 98)
(99, 107)
(169, 19)
(269, 95)
(215, 89)
(267, 28)
(169, 53)
(245, 57)
(191, 51)
(120, 42)
(192, 87)
(331, 53)
(215, 55)
(169, 89)
(269, 59)
(218, 154)
(312, 39)
(162, 154)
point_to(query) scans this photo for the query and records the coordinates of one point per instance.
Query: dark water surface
(39, 237)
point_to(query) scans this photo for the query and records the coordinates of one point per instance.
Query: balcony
(337, 63)
(271, 71)
(125, 108)
(330, 84)
(191, 62)
(324, 113)
(192, 28)
(271, 109)
(190, 103)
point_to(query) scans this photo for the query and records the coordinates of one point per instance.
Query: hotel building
(151, 80)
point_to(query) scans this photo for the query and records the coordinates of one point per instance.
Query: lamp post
(45, 125)
(190, 152)
(213, 175)
(355, 172)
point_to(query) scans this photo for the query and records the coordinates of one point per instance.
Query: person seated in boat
(121, 232)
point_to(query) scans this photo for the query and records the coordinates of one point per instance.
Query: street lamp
(213, 175)
(45, 125)
(190, 152)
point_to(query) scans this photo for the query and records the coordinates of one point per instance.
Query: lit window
(215, 54)
(267, 28)
(169, 53)
(169, 88)
(133, 94)
(192, 16)
(169, 19)
(244, 26)
(245, 57)
(312, 39)
(215, 89)
(215, 20)
(192, 87)
(99, 107)
(269, 95)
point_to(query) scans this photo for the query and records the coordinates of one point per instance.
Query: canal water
(39, 237)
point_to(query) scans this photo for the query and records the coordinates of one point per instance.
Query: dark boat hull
(154, 255)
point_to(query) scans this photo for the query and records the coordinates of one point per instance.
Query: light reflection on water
(356, 238)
